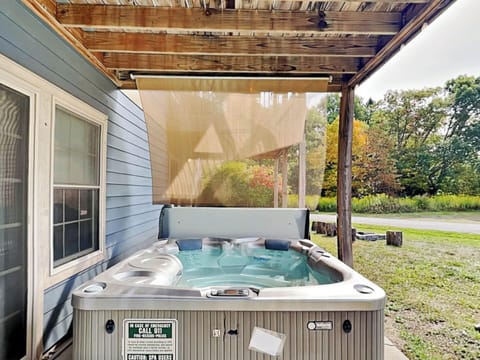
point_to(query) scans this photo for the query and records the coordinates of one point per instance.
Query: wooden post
(321, 228)
(331, 229)
(284, 179)
(275, 183)
(302, 173)
(394, 238)
(344, 177)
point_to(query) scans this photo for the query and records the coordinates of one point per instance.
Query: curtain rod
(145, 76)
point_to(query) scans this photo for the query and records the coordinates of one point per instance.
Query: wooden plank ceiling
(346, 40)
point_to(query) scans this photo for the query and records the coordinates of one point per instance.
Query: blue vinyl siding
(132, 221)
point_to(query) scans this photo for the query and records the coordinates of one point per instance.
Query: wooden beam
(44, 14)
(247, 64)
(132, 85)
(344, 177)
(382, 1)
(245, 21)
(49, 6)
(155, 43)
(404, 35)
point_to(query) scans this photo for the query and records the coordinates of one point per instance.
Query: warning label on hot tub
(149, 339)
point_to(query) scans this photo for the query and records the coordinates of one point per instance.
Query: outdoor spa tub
(209, 289)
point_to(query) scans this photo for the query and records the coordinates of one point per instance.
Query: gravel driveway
(430, 224)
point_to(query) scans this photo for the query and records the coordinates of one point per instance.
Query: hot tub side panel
(196, 340)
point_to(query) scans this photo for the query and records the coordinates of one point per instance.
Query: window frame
(76, 107)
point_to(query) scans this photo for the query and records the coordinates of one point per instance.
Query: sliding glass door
(14, 124)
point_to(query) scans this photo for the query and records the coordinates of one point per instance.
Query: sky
(443, 50)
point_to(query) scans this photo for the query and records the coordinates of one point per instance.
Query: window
(76, 189)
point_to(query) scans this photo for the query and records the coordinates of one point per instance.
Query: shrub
(327, 204)
(456, 202)
(292, 201)
(237, 183)
(378, 204)
(311, 201)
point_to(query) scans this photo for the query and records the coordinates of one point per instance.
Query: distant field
(433, 289)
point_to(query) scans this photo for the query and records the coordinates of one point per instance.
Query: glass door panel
(14, 120)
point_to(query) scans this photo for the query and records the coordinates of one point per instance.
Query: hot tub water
(251, 267)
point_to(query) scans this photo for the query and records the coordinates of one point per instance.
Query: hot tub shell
(342, 320)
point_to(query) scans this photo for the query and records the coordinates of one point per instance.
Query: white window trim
(45, 96)
(85, 112)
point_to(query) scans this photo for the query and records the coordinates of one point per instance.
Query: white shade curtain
(194, 125)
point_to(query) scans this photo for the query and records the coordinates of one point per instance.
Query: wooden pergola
(345, 40)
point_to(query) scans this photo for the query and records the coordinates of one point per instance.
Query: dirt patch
(392, 332)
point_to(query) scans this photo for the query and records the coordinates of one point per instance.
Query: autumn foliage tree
(373, 169)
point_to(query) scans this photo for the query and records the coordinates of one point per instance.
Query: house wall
(131, 219)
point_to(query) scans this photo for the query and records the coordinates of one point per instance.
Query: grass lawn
(433, 289)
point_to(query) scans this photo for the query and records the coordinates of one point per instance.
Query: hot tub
(220, 295)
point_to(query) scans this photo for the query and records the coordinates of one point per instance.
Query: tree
(462, 136)
(381, 175)
(436, 134)
(373, 170)
(413, 119)
(361, 111)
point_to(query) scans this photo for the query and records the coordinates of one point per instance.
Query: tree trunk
(331, 229)
(394, 238)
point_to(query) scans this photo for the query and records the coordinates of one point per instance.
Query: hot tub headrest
(272, 244)
(189, 244)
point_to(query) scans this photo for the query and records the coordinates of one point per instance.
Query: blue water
(250, 267)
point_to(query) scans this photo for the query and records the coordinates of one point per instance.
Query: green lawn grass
(433, 289)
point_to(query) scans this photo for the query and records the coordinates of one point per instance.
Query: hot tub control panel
(230, 292)
(320, 325)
